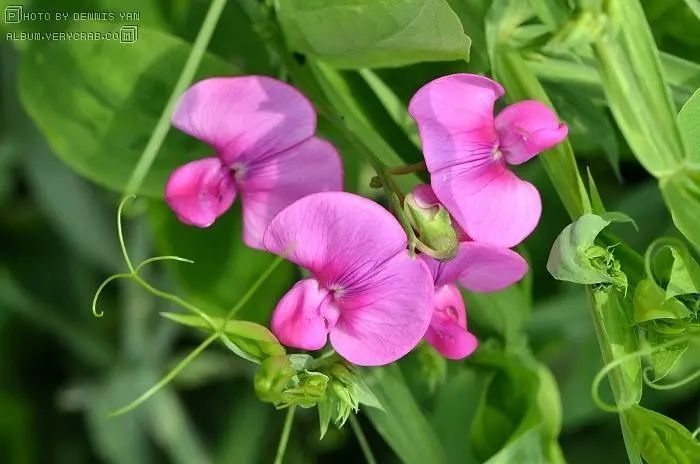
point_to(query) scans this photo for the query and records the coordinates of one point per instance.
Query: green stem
(366, 450)
(408, 169)
(282, 447)
(167, 378)
(186, 75)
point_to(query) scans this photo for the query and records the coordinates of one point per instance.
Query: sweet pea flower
(365, 292)
(467, 152)
(479, 267)
(263, 133)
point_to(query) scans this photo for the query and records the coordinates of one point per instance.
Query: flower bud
(273, 378)
(436, 236)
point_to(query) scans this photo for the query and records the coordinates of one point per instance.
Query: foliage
(623, 74)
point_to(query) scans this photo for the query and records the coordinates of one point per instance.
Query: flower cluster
(365, 292)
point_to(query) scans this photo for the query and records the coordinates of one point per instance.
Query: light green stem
(167, 378)
(282, 447)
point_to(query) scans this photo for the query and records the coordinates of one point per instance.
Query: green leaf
(663, 361)
(637, 94)
(371, 33)
(402, 424)
(526, 448)
(682, 195)
(571, 258)
(651, 303)
(672, 265)
(689, 125)
(255, 340)
(103, 99)
(661, 439)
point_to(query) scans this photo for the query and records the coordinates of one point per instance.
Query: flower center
(239, 171)
(497, 154)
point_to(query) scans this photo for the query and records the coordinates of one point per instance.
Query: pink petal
(385, 313)
(492, 206)
(298, 318)
(479, 267)
(448, 327)
(245, 118)
(200, 191)
(338, 236)
(455, 120)
(272, 184)
(527, 128)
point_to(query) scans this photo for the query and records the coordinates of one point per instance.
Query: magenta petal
(297, 320)
(455, 120)
(448, 327)
(245, 118)
(385, 313)
(494, 206)
(272, 184)
(527, 128)
(200, 191)
(479, 267)
(338, 236)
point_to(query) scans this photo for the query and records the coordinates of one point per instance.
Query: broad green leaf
(661, 439)
(102, 100)
(689, 125)
(373, 33)
(253, 339)
(637, 93)
(402, 423)
(572, 257)
(682, 195)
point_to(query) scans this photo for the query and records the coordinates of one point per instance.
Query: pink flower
(467, 150)
(263, 132)
(479, 267)
(365, 292)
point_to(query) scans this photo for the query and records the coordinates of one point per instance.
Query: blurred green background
(61, 369)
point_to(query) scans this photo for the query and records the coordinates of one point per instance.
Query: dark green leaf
(689, 125)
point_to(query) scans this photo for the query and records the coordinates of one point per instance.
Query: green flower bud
(272, 378)
(310, 388)
(436, 236)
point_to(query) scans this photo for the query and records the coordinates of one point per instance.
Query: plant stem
(167, 378)
(186, 75)
(282, 447)
(408, 169)
(366, 450)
